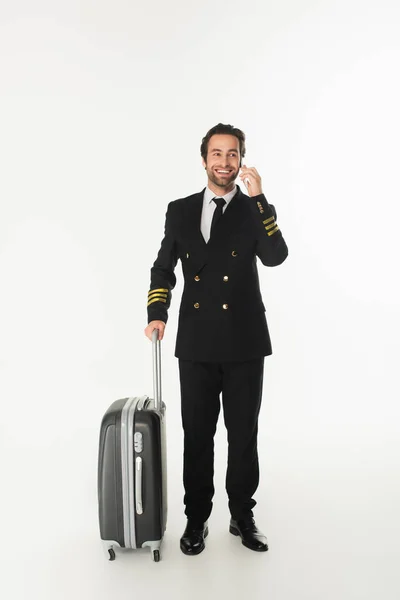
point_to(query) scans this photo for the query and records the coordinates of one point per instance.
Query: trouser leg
(241, 397)
(200, 389)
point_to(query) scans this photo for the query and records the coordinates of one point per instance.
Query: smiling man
(222, 336)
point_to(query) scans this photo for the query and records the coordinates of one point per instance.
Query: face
(223, 160)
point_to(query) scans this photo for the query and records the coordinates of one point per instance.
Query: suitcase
(132, 477)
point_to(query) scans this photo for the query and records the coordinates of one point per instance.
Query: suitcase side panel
(110, 479)
(164, 467)
(150, 525)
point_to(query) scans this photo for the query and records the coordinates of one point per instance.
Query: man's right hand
(160, 325)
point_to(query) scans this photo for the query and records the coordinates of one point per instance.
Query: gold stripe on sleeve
(271, 226)
(157, 294)
(156, 299)
(273, 231)
(269, 220)
(158, 290)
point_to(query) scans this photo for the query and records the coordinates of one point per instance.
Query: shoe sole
(197, 551)
(234, 531)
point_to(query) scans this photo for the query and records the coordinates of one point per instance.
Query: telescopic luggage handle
(156, 368)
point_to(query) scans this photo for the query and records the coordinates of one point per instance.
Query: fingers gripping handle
(156, 368)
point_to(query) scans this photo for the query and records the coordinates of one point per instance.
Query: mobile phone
(246, 181)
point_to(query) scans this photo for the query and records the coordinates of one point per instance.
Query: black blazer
(221, 315)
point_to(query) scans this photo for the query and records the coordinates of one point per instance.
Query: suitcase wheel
(111, 553)
(156, 555)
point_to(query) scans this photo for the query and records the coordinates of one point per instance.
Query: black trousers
(241, 386)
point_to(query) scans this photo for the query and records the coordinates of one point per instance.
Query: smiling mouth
(223, 171)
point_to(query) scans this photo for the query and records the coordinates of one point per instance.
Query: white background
(103, 107)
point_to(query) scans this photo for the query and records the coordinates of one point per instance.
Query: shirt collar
(209, 195)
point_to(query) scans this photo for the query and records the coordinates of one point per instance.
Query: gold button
(226, 277)
(225, 306)
(234, 253)
(196, 305)
(187, 254)
(197, 278)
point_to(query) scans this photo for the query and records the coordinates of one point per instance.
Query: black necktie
(220, 202)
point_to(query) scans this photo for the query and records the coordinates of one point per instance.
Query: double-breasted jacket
(222, 314)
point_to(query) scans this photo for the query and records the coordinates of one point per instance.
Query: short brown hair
(225, 129)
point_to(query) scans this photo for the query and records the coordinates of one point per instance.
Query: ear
(203, 163)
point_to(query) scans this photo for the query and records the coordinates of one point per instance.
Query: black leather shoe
(251, 536)
(192, 541)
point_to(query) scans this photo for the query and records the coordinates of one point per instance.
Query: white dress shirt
(208, 209)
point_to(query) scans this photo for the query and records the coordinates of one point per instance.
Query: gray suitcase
(132, 476)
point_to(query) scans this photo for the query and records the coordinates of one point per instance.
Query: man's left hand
(253, 184)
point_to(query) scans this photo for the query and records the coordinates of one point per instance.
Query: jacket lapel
(230, 221)
(195, 207)
(230, 218)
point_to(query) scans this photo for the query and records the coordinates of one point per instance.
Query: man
(222, 336)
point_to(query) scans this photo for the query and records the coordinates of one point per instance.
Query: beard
(222, 181)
